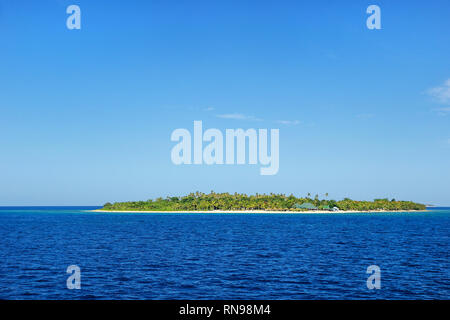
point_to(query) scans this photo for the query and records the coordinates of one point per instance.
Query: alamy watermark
(374, 280)
(372, 22)
(74, 20)
(74, 280)
(213, 152)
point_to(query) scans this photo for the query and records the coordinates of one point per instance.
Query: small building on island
(306, 205)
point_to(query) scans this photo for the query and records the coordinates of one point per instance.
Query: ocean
(222, 256)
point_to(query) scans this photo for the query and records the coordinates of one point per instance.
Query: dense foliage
(225, 201)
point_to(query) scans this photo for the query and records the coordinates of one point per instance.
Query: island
(226, 202)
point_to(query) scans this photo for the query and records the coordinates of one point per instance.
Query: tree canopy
(272, 202)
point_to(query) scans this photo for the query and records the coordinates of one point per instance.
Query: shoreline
(257, 211)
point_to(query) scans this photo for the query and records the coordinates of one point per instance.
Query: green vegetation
(273, 202)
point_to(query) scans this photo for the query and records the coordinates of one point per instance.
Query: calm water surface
(222, 256)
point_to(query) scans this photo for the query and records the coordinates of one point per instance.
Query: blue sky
(86, 115)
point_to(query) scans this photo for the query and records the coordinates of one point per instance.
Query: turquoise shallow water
(222, 256)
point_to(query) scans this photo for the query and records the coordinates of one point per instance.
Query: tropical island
(226, 202)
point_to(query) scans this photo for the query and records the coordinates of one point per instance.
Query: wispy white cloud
(208, 109)
(443, 111)
(238, 116)
(289, 122)
(441, 93)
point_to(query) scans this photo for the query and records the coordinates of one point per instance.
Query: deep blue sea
(222, 256)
